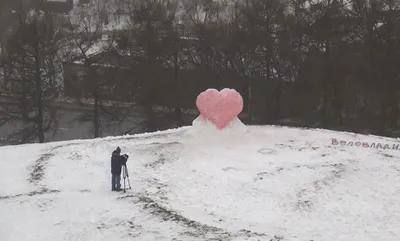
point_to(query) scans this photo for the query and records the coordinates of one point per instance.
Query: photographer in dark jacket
(117, 161)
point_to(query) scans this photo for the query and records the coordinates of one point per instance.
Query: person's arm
(124, 159)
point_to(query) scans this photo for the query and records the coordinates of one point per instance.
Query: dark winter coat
(117, 161)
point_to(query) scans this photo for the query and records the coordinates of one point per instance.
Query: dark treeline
(329, 64)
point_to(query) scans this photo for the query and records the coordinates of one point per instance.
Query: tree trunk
(278, 98)
(96, 121)
(248, 88)
(327, 88)
(94, 85)
(38, 93)
(96, 99)
(3, 62)
(177, 90)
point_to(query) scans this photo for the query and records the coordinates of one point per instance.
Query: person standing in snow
(117, 161)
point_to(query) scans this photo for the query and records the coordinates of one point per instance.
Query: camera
(125, 156)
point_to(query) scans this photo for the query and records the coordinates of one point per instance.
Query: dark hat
(118, 150)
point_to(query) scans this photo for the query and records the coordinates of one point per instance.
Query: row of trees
(34, 48)
(327, 63)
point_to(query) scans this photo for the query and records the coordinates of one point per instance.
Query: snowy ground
(246, 183)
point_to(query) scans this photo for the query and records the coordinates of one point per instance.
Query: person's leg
(113, 184)
(118, 182)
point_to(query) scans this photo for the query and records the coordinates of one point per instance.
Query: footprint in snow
(266, 151)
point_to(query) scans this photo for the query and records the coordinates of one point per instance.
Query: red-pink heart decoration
(220, 107)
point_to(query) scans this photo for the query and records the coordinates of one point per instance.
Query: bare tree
(6, 24)
(92, 40)
(153, 39)
(35, 67)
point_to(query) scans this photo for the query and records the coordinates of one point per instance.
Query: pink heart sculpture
(220, 107)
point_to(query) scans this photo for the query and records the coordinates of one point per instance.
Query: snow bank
(200, 183)
(204, 128)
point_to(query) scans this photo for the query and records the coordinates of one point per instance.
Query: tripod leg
(129, 184)
(127, 175)
(124, 176)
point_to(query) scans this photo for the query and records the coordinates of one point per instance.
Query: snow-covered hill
(193, 183)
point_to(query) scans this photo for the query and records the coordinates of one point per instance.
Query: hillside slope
(192, 183)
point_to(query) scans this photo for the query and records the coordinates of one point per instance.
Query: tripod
(125, 175)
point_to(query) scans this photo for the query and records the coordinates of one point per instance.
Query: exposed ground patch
(195, 229)
(304, 195)
(38, 169)
(387, 155)
(164, 151)
(76, 155)
(337, 171)
(30, 194)
(160, 161)
(227, 169)
(304, 202)
(280, 170)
